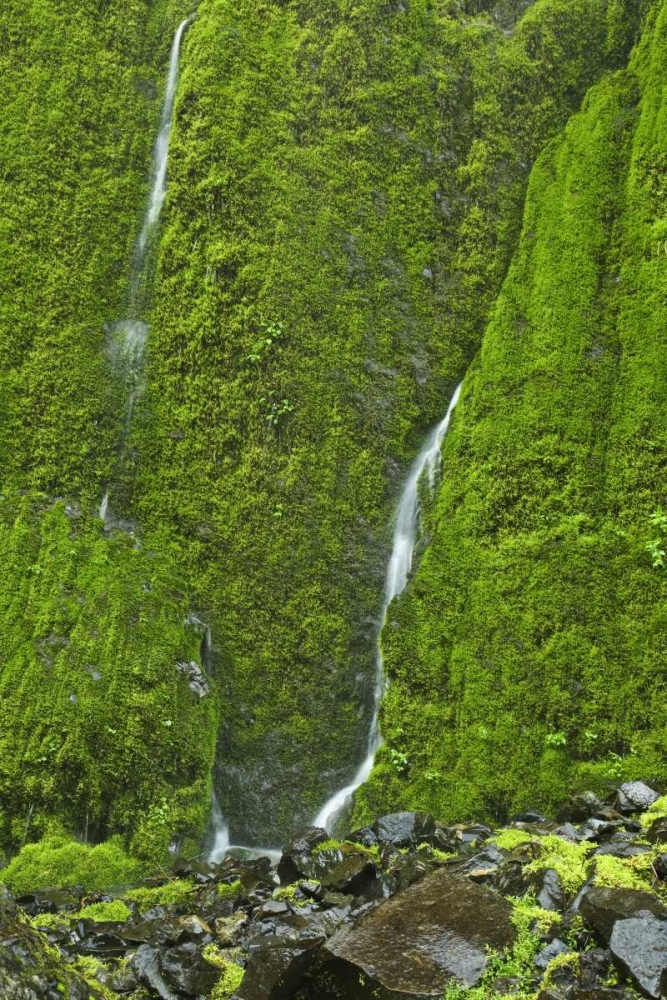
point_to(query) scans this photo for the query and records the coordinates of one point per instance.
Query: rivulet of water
(398, 570)
(127, 338)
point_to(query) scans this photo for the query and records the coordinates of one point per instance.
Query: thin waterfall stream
(127, 349)
(128, 337)
(398, 570)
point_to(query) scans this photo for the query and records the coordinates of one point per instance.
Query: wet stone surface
(402, 909)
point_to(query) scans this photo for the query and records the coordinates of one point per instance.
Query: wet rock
(660, 866)
(158, 930)
(529, 816)
(415, 943)
(405, 870)
(621, 849)
(307, 839)
(313, 890)
(343, 869)
(272, 908)
(187, 971)
(48, 901)
(404, 829)
(145, 966)
(482, 867)
(28, 971)
(195, 677)
(551, 951)
(635, 796)
(277, 966)
(602, 908)
(228, 930)
(471, 836)
(510, 880)
(657, 832)
(365, 836)
(639, 948)
(174, 972)
(550, 891)
(579, 808)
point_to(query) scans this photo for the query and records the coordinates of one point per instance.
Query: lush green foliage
(525, 656)
(350, 176)
(346, 186)
(97, 726)
(57, 862)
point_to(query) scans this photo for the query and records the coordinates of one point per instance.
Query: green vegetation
(524, 655)
(175, 891)
(346, 188)
(115, 911)
(232, 974)
(569, 861)
(57, 862)
(350, 175)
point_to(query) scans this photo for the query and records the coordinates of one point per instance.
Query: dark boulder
(657, 832)
(404, 829)
(529, 816)
(307, 839)
(579, 808)
(415, 943)
(602, 908)
(550, 894)
(277, 965)
(29, 969)
(660, 866)
(639, 948)
(174, 972)
(549, 952)
(635, 796)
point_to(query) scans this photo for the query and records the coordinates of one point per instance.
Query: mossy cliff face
(99, 730)
(346, 183)
(525, 657)
(346, 187)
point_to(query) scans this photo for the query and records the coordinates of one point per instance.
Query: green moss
(115, 911)
(229, 890)
(57, 862)
(508, 653)
(288, 893)
(558, 964)
(656, 811)
(171, 893)
(570, 861)
(618, 873)
(508, 840)
(232, 974)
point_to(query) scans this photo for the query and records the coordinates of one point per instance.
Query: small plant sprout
(399, 761)
(556, 740)
(656, 546)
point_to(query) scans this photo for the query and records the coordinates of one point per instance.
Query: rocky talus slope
(408, 907)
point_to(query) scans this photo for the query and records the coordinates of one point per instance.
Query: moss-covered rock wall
(526, 656)
(346, 186)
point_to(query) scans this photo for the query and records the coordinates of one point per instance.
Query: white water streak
(398, 570)
(161, 150)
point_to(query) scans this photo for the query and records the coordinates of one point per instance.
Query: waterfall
(161, 151)
(400, 564)
(221, 843)
(127, 338)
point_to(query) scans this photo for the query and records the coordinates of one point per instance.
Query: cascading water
(127, 338)
(400, 564)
